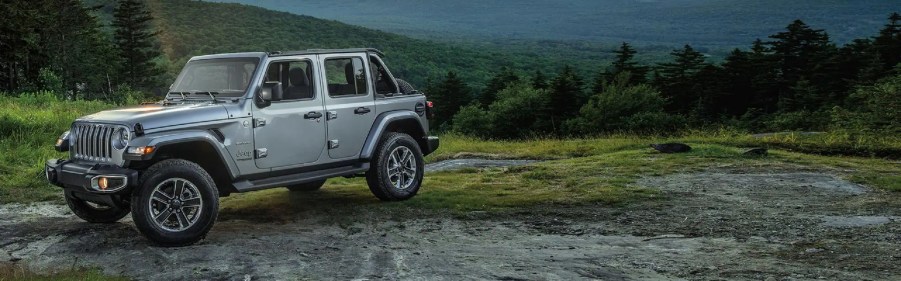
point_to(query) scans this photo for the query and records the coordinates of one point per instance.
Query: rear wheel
(94, 212)
(397, 168)
(310, 186)
(176, 203)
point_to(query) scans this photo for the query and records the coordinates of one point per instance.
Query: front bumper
(83, 178)
(433, 144)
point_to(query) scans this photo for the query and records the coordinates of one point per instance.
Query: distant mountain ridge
(703, 23)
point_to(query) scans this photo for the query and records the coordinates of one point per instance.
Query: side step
(299, 178)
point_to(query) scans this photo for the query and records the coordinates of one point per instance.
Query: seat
(300, 85)
(354, 86)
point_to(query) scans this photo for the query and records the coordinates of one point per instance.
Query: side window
(296, 78)
(383, 83)
(346, 77)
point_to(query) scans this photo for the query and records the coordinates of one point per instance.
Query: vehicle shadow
(281, 205)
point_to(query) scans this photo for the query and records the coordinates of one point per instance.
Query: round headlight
(120, 138)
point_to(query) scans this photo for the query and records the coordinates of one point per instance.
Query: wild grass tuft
(10, 272)
(29, 126)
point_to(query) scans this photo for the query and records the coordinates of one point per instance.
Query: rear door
(349, 103)
(284, 135)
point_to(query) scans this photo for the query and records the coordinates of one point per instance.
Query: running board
(299, 178)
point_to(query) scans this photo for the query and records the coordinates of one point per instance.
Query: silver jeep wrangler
(243, 122)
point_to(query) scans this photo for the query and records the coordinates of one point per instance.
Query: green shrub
(872, 109)
(520, 111)
(624, 108)
(473, 121)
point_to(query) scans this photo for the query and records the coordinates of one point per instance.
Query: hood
(154, 116)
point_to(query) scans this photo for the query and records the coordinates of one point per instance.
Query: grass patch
(604, 178)
(29, 125)
(11, 272)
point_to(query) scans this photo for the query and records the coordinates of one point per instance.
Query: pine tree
(19, 56)
(497, 83)
(566, 96)
(738, 72)
(803, 53)
(888, 42)
(69, 44)
(539, 81)
(449, 96)
(677, 80)
(625, 62)
(135, 42)
(763, 77)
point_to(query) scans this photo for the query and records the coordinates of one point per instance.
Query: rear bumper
(83, 178)
(433, 144)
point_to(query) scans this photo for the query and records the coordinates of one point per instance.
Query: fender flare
(378, 129)
(164, 139)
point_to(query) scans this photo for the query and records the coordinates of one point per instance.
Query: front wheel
(95, 213)
(397, 168)
(176, 203)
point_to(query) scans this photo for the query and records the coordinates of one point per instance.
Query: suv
(243, 122)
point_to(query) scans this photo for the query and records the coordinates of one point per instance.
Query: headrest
(349, 73)
(298, 77)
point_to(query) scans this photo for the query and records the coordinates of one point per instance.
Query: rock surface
(713, 225)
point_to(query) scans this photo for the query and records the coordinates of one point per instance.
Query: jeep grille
(92, 142)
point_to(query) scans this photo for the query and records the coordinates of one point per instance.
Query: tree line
(62, 47)
(797, 79)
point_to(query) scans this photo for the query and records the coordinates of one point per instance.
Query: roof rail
(326, 51)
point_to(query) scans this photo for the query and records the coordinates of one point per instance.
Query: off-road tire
(156, 175)
(310, 186)
(378, 177)
(404, 87)
(89, 213)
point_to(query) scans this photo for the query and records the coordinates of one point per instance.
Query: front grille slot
(93, 142)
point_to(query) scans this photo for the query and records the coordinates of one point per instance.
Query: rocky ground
(723, 223)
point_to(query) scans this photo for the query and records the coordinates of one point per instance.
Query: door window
(296, 78)
(346, 77)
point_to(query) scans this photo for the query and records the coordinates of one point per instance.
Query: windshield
(222, 77)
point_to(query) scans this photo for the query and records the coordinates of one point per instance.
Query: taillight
(428, 109)
(428, 104)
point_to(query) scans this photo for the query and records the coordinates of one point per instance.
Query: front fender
(169, 138)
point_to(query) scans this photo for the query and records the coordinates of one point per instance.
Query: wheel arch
(199, 147)
(402, 121)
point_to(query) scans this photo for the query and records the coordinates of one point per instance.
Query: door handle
(312, 115)
(362, 110)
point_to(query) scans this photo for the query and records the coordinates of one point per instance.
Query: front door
(349, 104)
(286, 132)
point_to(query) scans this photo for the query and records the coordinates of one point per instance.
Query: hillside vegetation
(196, 28)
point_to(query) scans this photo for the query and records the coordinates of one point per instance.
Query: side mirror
(269, 92)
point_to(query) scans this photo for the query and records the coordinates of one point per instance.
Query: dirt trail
(722, 224)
